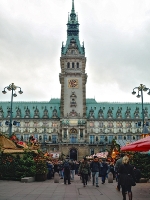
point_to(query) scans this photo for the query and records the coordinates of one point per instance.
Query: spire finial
(72, 5)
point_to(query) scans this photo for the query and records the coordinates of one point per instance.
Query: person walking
(111, 169)
(84, 171)
(95, 169)
(61, 172)
(126, 177)
(117, 166)
(72, 170)
(104, 169)
(66, 169)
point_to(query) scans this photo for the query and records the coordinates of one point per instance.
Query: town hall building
(74, 125)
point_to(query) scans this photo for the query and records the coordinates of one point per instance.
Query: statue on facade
(45, 114)
(91, 114)
(127, 113)
(55, 113)
(36, 113)
(100, 113)
(109, 113)
(119, 114)
(18, 113)
(27, 113)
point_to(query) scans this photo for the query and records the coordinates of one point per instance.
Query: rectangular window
(35, 124)
(45, 138)
(92, 139)
(102, 138)
(0, 123)
(65, 133)
(26, 124)
(54, 124)
(129, 137)
(110, 138)
(54, 139)
(81, 133)
(128, 125)
(18, 124)
(36, 136)
(101, 124)
(120, 137)
(26, 137)
(91, 124)
(18, 136)
(91, 151)
(147, 123)
(73, 139)
(138, 137)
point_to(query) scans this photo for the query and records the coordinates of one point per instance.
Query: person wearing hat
(84, 171)
(95, 168)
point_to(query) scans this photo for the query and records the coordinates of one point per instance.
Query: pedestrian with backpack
(66, 168)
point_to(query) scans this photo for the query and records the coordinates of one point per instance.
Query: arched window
(68, 65)
(77, 65)
(72, 65)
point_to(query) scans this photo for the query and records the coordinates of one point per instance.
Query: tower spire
(72, 31)
(72, 6)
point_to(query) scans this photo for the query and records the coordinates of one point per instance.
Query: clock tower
(73, 90)
(73, 76)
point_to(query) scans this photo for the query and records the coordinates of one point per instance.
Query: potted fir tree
(41, 169)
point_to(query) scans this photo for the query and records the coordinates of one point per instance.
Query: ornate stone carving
(45, 113)
(119, 114)
(91, 114)
(27, 113)
(100, 113)
(136, 113)
(109, 113)
(18, 113)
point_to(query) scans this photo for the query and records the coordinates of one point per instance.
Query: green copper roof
(72, 33)
(92, 107)
(117, 107)
(32, 106)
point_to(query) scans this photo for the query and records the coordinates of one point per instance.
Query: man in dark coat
(66, 168)
(104, 168)
(95, 169)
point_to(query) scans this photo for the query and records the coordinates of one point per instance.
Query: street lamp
(140, 89)
(13, 89)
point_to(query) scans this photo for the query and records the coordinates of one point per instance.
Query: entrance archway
(73, 154)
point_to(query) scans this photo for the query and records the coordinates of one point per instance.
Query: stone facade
(74, 125)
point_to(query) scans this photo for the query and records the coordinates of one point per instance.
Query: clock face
(73, 83)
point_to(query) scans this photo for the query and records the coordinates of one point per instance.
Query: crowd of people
(125, 175)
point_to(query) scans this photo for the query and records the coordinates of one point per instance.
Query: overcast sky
(116, 35)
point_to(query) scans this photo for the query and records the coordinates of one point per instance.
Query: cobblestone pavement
(48, 190)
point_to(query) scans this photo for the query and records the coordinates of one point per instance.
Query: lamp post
(13, 89)
(140, 89)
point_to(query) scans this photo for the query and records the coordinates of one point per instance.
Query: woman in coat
(126, 174)
(84, 171)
